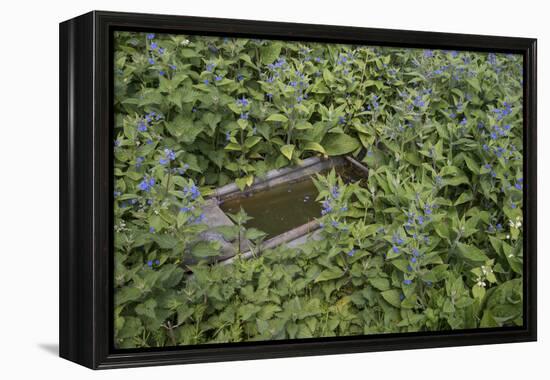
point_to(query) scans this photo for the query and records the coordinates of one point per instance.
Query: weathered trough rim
(230, 188)
(294, 233)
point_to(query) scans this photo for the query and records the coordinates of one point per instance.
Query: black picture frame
(86, 156)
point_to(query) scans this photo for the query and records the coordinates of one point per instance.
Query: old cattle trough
(282, 204)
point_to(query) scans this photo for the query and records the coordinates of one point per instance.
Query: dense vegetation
(432, 242)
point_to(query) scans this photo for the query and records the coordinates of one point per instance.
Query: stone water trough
(282, 204)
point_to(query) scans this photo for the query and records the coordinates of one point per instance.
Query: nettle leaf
(204, 249)
(147, 309)
(380, 283)
(339, 144)
(472, 253)
(393, 297)
(126, 294)
(270, 52)
(254, 233)
(329, 274)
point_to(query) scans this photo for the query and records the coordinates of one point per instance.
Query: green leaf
(393, 297)
(126, 294)
(268, 311)
(339, 144)
(474, 82)
(270, 52)
(251, 141)
(380, 283)
(329, 274)
(244, 182)
(147, 309)
(254, 233)
(478, 292)
(314, 146)
(287, 150)
(327, 76)
(277, 117)
(472, 253)
(204, 249)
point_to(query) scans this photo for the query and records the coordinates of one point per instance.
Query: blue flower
(428, 53)
(161, 73)
(334, 223)
(351, 253)
(227, 136)
(397, 239)
(193, 190)
(154, 46)
(327, 208)
(173, 67)
(170, 154)
(139, 161)
(157, 261)
(146, 184)
(151, 229)
(240, 77)
(407, 282)
(269, 96)
(418, 102)
(200, 218)
(243, 102)
(420, 220)
(151, 61)
(206, 81)
(150, 36)
(218, 78)
(150, 263)
(161, 51)
(464, 121)
(413, 260)
(210, 67)
(395, 249)
(415, 252)
(244, 116)
(142, 126)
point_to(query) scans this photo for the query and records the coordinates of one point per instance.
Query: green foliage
(431, 240)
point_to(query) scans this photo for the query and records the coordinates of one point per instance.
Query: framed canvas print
(238, 189)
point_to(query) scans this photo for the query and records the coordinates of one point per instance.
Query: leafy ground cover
(433, 241)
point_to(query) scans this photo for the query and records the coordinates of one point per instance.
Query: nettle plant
(431, 240)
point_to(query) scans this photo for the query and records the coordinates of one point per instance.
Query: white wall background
(29, 187)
